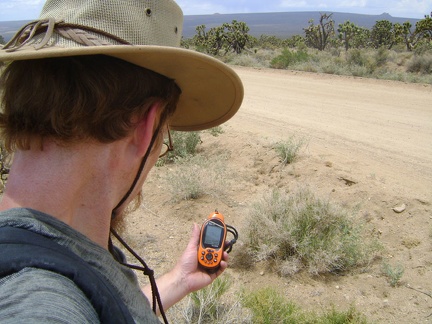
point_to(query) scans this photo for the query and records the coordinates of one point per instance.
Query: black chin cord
(146, 270)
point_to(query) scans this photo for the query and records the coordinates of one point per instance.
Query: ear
(143, 132)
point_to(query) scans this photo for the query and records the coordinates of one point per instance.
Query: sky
(29, 9)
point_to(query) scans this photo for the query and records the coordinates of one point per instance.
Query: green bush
(289, 58)
(288, 150)
(423, 47)
(216, 131)
(206, 302)
(357, 57)
(351, 316)
(270, 307)
(420, 64)
(381, 56)
(366, 62)
(300, 231)
(185, 144)
(196, 176)
(393, 273)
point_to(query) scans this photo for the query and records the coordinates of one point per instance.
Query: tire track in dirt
(384, 126)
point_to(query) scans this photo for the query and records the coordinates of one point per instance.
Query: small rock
(262, 273)
(399, 209)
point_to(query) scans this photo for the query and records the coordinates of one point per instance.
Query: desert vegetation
(400, 52)
(265, 306)
(291, 232)
(298, 231)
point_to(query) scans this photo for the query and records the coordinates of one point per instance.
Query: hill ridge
(280, 24)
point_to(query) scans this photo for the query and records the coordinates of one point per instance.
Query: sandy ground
(369, 148)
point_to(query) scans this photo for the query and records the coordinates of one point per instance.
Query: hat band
(78, 33)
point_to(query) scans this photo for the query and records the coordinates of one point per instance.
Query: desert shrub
(211, 305)
(423, 47)
(359, 71)
(366, 63)
(402, 58)
(185, 144)
(244, 60)
(206, 302)
(300, 231)
(357, 57)
(289, 58)
(420, 64)
(362, 62)
(259, 58)
(196, 176)
(216, 131)
(333, 316)
(327, 63)
(381, 56)
(268, 306)
(393, 273)
(288, 150)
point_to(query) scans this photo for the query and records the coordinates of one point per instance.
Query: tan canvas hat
(144, 32)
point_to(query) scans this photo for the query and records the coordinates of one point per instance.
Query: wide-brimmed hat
(144, 32)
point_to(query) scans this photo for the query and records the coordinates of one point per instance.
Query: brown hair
(76, 98)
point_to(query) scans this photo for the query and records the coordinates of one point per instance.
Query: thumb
(195, 235)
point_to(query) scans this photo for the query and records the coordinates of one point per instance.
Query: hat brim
(211, 91)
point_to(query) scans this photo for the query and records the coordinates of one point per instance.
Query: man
(88, 93)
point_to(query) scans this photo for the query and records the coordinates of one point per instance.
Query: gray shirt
(41, 296)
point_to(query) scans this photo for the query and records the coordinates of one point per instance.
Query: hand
(191, 275)
(186, 276)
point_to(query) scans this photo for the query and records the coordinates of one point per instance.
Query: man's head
(91, 70)
(81, 98)
(142, 32)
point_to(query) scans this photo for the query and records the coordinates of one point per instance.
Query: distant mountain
(9, 28)
(281, 24)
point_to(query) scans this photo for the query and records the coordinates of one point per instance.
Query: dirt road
(383, 128)
(369, 149)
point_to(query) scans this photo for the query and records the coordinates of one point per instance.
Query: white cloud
(293, 4)
(401, 8)
(198, 7)
(193, 7)
(30, 9)
(413, 7)
(20, 9)
(353, 3)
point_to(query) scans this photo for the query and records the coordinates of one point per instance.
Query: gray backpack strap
(20, 248)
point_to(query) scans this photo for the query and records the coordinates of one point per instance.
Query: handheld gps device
(213, 243)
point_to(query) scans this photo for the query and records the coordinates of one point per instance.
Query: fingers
(222, 267)
(225, 257)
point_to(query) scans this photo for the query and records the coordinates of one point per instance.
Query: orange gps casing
(212, 241)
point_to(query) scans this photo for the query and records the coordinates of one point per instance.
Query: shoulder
(36, 295)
